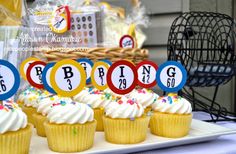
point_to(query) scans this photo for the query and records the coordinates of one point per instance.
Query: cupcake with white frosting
(97, 100)
(145, 97)
(125, 122)
(30, 99)
(70, 127)
(15, 132)
(44, 108)
(172, 116)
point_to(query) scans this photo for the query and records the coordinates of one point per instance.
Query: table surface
(223, 145)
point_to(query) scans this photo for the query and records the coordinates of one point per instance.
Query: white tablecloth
(223, 145)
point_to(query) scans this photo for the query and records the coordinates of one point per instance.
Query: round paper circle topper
(122, 77)
(99, 75)
(171, 76)
(147, 74)
(9, 80)
(87, 65)
(46, 77)
(25, 65)
(34, 74)
(68, 78)
(127, 41)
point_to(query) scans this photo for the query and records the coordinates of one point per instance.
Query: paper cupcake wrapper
(70, 138)
(170, 125)
(125, 131)
(39, 120)
(29, 111)
(17, 142)
(21, 104)
(98, 113)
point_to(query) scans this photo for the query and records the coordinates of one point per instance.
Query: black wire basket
(204, 43)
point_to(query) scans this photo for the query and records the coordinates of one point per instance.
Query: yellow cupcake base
(98, 113)
(70, 138)
(29, 111)
(39, 120)
(21, 104)
(17, 142)
(147, 109)
(170, 125)
(125, 131)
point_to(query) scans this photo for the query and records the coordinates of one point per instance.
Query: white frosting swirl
(144, 96)
(44, 105)
(12, 118)
(71, 113)
(172, 104)
(95, 98)
(80, 96)
(124, 108)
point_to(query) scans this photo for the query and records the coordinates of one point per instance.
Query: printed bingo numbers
(87, 65)
(171, 76)
(34, 74)
(9, 80)
(122, 77)
(147, 74)
(68, 78)
(127, 42)
(99, 75)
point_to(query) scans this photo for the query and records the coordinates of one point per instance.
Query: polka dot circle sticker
(67, 78)
(87, 65)
(122, 77)
(34, 74)
(99, 75)
(171, 76)
(127, 42)
(9, 80)
(147, 74)
(46, 77)
(25, 65)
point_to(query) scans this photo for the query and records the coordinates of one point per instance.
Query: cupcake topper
(46, 77)
(9, 80)
(147, 74)
(87, 65)
(34, 74)
(68, 78)
(99, 75)
(171, 76)
(25, 65)
(122, 77)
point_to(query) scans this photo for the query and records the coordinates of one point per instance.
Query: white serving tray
(200, 131)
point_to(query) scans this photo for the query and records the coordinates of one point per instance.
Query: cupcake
(98, 100)
(125, 122)
(70, 127)
(15, 133)
(172, 116)
(29, 90)
(145, 97)
(31, 103)
(44, 107)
